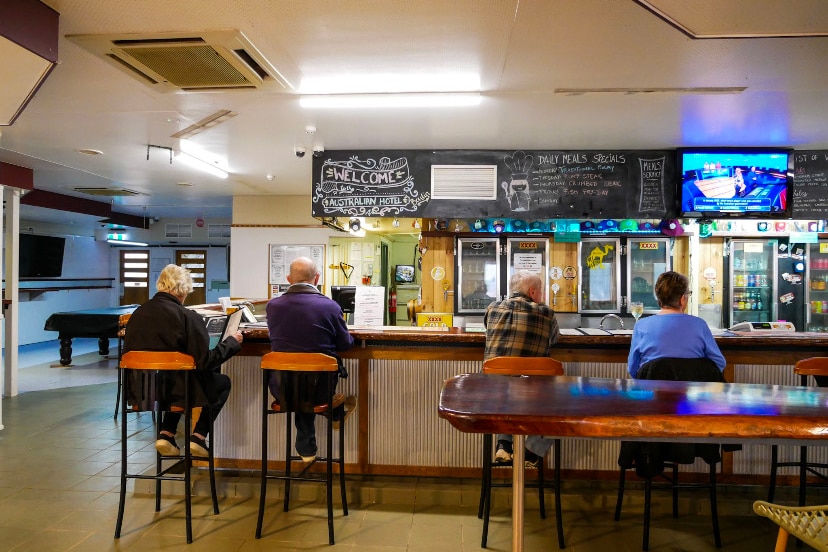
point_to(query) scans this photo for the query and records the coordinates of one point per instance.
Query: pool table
(100, 323)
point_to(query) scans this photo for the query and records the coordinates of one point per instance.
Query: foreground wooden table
(631, 410)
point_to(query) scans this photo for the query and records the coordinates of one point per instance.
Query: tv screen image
(41, 256)
(404, 274)
(735, 182)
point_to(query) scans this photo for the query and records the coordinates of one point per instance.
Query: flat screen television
(41, 256)
(736, 182)
(345, 296)
(404, 274)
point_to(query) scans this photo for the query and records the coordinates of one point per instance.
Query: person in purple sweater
(672, 333)
(302, 320)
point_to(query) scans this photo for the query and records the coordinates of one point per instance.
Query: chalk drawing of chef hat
(520, 164)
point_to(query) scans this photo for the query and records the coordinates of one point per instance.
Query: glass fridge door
(753, 281)
(817, 283)
(529, 254)
(647, 259)
(477, 273)
(600, 276)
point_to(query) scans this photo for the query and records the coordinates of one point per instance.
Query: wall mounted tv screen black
(735, 182)
(345, 296)
(41, 256)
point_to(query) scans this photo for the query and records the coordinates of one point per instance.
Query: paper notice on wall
(369, 306)
(533, 262)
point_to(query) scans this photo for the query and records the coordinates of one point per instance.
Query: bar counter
(397, 374)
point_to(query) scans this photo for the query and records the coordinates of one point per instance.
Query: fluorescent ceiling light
(387, 83)
(379, 101)
(200, 164)
(126, 242)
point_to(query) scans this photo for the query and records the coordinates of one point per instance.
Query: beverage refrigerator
(485, 264)
(817, 287)
(752, 280)
(618, 271)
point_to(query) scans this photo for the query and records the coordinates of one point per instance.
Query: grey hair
(175, 280)
(522, 280)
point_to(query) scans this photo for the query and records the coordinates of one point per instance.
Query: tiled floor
(59, 465)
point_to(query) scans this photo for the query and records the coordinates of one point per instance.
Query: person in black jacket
(164, 324)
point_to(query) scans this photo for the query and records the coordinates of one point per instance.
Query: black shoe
(198, 447)
(166, 446)
(503, 454)
(531, 460)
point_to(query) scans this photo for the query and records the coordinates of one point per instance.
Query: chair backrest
(814, 366)
(122, 322)
(157, 360)
(523, 366)
(299, 362)
(681, 369)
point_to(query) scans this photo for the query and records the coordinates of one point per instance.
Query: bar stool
(154, 362)
(122, 322)
(294, 365)
(520, 366)
(649, 459)
(817, 367)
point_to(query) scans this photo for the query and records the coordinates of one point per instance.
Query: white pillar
(11, 292)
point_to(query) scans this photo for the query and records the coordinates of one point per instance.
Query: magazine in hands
(232, 324)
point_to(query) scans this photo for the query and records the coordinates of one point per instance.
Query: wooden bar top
(627, 409)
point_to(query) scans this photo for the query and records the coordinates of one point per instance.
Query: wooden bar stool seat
(160, 361)
(818, 368)
(293, 365)
(520, 366)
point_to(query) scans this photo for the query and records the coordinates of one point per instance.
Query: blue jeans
(538, 444)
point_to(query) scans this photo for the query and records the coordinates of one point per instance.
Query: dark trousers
(202, 427)
(304, 421)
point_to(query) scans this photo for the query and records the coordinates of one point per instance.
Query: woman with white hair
(164, 324)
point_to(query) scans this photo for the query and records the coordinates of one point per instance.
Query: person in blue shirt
(672, 333)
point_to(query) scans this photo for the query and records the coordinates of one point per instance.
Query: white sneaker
(502, 456)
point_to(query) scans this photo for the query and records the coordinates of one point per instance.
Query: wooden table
(630, 410)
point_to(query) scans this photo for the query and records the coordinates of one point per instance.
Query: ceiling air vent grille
(210, 60)
(464, 182)
(110, 192)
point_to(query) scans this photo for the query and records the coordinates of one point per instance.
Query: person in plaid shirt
(521, 325)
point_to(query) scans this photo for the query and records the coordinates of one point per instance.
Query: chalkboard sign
(569, 184)
(810, 189)
(528, 184)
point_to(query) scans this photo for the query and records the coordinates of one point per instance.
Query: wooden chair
(294, 365)
(817, 367)
(520, 366)
(159, 361)
(650, 459)
(807, 523)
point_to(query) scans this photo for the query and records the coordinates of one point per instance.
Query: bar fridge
(485, 264)
(817, 287)
(752, 279)
(618, 271)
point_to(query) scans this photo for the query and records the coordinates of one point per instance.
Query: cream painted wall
(249, 247)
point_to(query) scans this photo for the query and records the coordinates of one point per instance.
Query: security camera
(299, 151)
(318, 151)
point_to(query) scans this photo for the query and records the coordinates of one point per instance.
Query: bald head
(303, 271)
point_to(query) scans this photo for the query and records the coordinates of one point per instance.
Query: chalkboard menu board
(810, 189)
(528, 184)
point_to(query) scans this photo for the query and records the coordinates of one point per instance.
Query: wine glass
(636, 309)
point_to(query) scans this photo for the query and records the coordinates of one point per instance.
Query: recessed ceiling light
(270, 177)
(89, 152)
(183, 183)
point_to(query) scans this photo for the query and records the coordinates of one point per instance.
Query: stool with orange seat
(520, 366)
(295, 365)
(817, 367)
(155, 362)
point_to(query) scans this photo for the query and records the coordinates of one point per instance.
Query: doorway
(194, 260)
(134, 277)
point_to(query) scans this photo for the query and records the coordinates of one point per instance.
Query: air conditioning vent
(109, 192)
(212, 60)
(464, 182)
